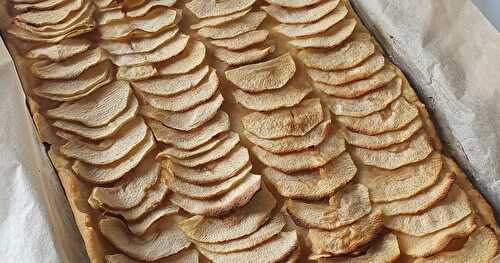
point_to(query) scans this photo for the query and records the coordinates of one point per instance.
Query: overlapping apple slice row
(292, 135)
(107, 143)
(305, 156)
(233, 30)
(203, 163)
(94, 115)
(407, 179)
(49, 32)
(142, 39)
(51, 21)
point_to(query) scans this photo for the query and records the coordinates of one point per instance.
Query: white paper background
(450, 50)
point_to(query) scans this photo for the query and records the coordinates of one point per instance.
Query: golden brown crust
(479, 203)
(81, 210)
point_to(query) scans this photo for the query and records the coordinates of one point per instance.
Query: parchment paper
(447, 48)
